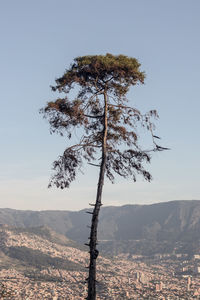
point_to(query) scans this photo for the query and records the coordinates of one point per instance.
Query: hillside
(37, 263)
(139, 229)
(37, 247)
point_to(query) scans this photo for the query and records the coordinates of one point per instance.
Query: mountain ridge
(153, 225)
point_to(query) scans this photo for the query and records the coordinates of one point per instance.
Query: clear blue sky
(39, 39)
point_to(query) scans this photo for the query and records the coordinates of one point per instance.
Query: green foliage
(94, 71)
(95, 77)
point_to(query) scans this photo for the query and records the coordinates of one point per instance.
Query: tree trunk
(94, 223)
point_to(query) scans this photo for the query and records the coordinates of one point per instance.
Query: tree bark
(94, 223)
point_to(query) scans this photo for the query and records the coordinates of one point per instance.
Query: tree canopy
(91, 76)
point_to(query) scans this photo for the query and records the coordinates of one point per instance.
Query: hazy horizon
(107, 205)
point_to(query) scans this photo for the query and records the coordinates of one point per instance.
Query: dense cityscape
(122, 277)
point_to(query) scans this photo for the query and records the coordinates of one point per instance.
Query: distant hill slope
(37, 247)
(156, 225)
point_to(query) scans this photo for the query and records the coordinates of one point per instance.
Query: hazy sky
(39, 40)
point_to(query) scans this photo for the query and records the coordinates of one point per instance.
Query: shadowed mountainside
(157, 224)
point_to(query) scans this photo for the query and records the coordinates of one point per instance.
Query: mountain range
(135, 229)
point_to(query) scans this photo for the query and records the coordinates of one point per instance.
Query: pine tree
(108, 128)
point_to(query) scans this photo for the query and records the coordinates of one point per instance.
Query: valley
(37, 263)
